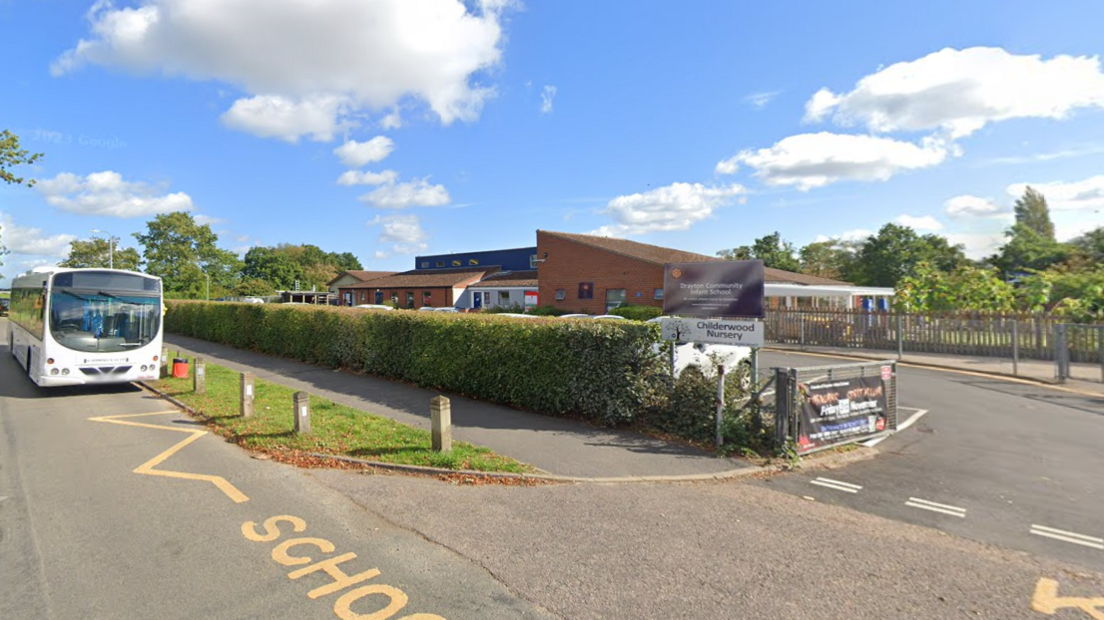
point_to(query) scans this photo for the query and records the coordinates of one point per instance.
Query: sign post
(707, 296)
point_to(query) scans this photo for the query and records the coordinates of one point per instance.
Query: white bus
(77, 326)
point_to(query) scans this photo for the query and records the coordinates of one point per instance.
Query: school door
(477, 300)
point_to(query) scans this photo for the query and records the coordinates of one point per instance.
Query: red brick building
(589, 274)
(437, 288)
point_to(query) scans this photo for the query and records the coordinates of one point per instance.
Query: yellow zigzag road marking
(147, 468)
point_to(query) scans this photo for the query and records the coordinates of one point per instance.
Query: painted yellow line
(1046, 601)
(971, 373)
(147, 468)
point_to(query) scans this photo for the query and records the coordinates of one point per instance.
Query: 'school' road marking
(1070, 537)
(147, 468)
(946, 509)
(846, 487)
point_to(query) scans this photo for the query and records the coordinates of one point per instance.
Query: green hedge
(637, 313)
(603, 371)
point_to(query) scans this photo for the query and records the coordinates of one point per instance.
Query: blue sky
(396, 127)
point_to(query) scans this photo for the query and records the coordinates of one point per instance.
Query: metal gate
(824, 406)
(1079, 352)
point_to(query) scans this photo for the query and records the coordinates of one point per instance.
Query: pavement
(554, 445)
(1087, 378)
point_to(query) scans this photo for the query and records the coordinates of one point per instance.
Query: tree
(883, 259)
(829, 259)
(771, 249)
(1032, 211)
(96, 252)
(1029, 250)
(1091, 245)
(253, 288)
(929, 289)
(12, 155)
(345, 261)
(184, 254)
(278, 269)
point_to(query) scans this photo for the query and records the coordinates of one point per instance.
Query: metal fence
(1079, 343)
(977, 334)
(823, 406)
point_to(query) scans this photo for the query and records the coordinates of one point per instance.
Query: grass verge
(335, 429)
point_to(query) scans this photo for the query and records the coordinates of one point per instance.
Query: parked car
(5, 303)
(574, 316)
(373, 307)
(446, 309)
(614, 317)
(253, 300)
(516, 315)
(708, 356)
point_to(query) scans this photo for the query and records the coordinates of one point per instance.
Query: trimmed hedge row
(603, 371)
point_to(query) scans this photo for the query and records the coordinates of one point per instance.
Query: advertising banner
(838, 411)
(727, 288)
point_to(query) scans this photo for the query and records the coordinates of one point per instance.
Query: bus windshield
(101, 321)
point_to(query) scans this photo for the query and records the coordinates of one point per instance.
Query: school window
(425, 264)
(561, 294)
(427, 298)
(440, 263)
(409, 299)
(456, 263)
(395, 298)
(586, 290)
(614, 298)
(658, 294)
(473, 261)
(504, 298)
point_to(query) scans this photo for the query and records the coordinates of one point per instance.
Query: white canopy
(800, 290)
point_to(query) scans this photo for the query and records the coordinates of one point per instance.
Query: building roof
(660, 256)
(426, 278)
(527, 278)
(363, 276)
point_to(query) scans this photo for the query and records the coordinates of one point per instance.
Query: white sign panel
(716, 331)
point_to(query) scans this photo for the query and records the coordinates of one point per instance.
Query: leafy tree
(929, 289)
(11, 154)
(184, 253)
(1032, 212)
(96, 252)
(1029, 250)
(829, 259)
(895, 251)
(771, 249)
(253, 288)
(1091, 246)
(276, 268)
(345, 261)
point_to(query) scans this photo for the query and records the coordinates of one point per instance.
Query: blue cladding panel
(516, 259)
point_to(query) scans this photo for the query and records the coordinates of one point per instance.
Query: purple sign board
(727, 288)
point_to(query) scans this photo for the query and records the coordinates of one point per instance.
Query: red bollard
(180, 368)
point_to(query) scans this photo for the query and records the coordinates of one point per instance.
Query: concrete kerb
(439, 471)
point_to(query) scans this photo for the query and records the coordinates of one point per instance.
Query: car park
(373, 307)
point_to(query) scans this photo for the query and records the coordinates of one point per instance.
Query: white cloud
(977, 245)
(960, 91)
(32, 241)
(1063, 196)
(356, 177)
(548, 93)
(393, 120)
(973, 206)
(403, 232)
(817, 159)
(921, 223)
(728, 166)
(760, 100)
(357, 154)
(416, 193)
(207, 219)
(673, 207)
(106, 193)
(857, 234)
(274, 116)
(306, 65)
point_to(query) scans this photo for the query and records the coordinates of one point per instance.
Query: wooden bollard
(301, 401)
(164, 362)
(440, 413)
(247, 395)
(199, 377)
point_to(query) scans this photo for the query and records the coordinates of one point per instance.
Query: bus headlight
(64, 371)
(143, 368)
(54, 371)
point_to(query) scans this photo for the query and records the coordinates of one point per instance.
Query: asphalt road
(1006, 455)
(82, 535)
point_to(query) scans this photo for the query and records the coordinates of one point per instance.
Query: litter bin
(180, 368)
